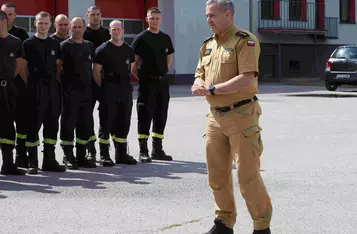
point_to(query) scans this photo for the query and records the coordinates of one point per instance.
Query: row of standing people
(62, 76)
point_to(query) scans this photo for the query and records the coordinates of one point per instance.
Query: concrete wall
(79, 7)
(185, 22)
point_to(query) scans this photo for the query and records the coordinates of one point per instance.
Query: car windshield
(347, 52)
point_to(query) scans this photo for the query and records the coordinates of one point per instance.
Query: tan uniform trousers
(235, 135)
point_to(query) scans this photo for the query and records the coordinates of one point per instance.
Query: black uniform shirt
(19, 33)
(10, 50)
(41, 55)
(60, 40)
(152, 50)
(116, 61)
(97, 37)
(77, 61)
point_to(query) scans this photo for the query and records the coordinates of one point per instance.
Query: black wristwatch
(211, 89)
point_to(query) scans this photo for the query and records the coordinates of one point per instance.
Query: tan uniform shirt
(222, 58)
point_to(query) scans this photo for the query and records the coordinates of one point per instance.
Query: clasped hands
(200, 90)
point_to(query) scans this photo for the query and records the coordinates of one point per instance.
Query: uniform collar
(226, 34)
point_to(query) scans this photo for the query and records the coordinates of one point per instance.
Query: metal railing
(331, 27)
(292, 15)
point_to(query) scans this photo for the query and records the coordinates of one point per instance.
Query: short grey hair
(224, 4)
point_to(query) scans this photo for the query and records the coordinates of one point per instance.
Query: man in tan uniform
(227, 75)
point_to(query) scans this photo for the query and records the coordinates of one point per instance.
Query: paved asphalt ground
(309, 166)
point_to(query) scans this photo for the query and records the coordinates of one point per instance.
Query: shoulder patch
(242, 34)
(207, 39)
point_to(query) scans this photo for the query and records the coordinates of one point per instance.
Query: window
(267, 9)
(132, 27)
(347, 11)
(347, 52)
(294, 66)
(28, 23)
(294, 9)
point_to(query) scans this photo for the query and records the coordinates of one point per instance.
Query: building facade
(297, 36)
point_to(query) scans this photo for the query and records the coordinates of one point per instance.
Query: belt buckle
(3, 83)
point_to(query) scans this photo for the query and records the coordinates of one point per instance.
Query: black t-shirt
(10, 50)
(41, 55)
(19, 33)
(77, 62)
(116, 61)
(60, 40)
(97, 37)
(153, 50)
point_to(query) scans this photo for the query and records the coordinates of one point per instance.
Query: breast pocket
(229, 64)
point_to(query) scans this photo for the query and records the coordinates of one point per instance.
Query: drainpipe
(251, 16)
(54, 7)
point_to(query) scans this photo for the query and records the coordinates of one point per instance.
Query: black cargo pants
(152, 105)
(115, 112)
(7, 128)
(76, 114)
(44, 101)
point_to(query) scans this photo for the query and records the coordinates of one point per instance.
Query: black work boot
(219, 228)
(144, 152)
(33, 160)
(69, 160)
(21, 159)
(8, 167)
(105, 159)
(49, 160)
(82, 157)
(265, 231)
(157, 152)
(121, 155)
(92, 152)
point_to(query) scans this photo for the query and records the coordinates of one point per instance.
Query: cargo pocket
(253, 134)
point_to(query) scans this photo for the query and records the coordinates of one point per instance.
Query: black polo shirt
(152, 50)
(77, 62)
(19, 33)
(10, 50)
(41, 55)
(116, 62)
(97, 37)
(60, 40)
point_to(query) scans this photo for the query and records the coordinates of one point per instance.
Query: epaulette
(242, 34)
(207, 39)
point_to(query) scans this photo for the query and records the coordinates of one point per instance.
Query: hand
(200, 90)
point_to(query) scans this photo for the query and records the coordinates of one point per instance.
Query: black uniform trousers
(76, 114)
(21, 109)
(115, 112)
(43, 97)
(152, 105)
(7, 127)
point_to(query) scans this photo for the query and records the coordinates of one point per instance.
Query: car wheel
(330, 86)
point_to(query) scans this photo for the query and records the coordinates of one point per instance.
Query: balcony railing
(291, 16)
(331, 27)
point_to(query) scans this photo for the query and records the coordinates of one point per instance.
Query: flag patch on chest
(250, 43)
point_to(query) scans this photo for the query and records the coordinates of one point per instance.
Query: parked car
(341, 68)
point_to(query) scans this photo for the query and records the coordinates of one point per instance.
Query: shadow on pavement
(2, 196)
(325, 95)
(96, 177)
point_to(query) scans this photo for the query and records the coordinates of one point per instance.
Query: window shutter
(276, 9)
(352, 11)
(303, 10)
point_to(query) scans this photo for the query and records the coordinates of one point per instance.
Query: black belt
(236, 105)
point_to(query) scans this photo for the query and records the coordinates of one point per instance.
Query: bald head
(62, 25)
(61, 17)
(78, 26)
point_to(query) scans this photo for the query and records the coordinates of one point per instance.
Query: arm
(97, 68)
(248, 52)
(21, 68)
(169, 60)
(198, 87)
(134, 67)
(59, 70)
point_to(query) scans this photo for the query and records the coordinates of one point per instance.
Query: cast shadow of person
(97, 178)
